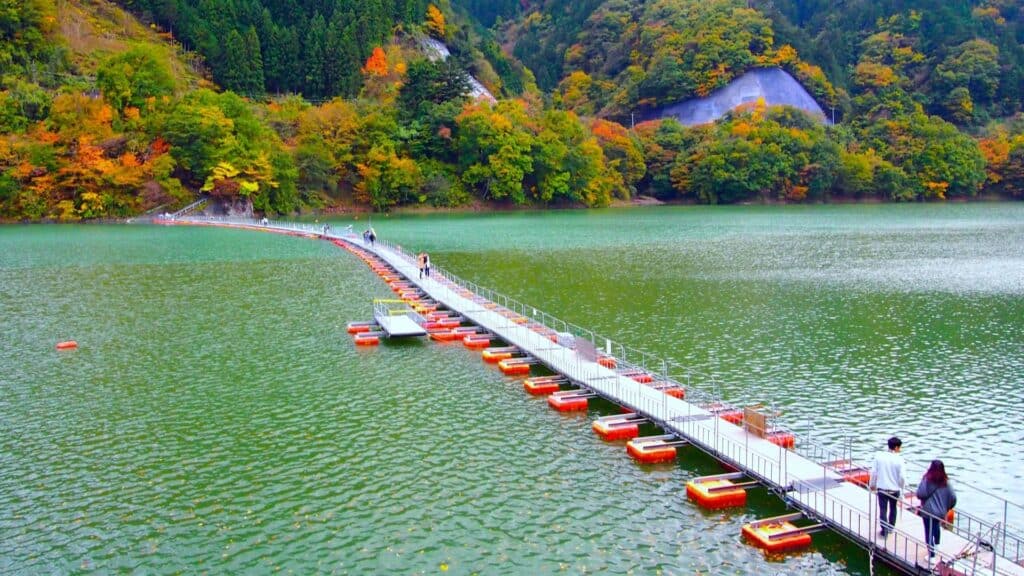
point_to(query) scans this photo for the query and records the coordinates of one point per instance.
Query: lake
(216, 416)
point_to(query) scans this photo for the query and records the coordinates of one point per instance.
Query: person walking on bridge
(937, 499)
(422, 258)
(888, 480)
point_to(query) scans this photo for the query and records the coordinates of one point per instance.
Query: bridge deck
(806, 484)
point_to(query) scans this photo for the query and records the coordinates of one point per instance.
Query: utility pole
(632, 121)
(833, 115)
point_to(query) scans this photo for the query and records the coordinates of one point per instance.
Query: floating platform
(397, 319)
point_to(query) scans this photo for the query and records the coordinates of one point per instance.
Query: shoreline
(642, 201)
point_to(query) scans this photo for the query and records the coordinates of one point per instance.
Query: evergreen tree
(273, 61)
(234, 67)
(349, 80)
(314, 85)
(254, 80)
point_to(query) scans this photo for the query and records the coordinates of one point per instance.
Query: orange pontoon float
(618, 426)
(477, 341)
(779, 534)
(718, 491)
(498, 353)
(652, 449)
(782, 438)
(544, 385)
(570, 400)
(364, 326)
(514, 366)
(368, 338)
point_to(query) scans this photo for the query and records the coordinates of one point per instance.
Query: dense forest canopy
(310, 47)
(320, 104)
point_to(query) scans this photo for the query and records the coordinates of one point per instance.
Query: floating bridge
(824, 485)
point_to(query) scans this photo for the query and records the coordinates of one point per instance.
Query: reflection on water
(217, 417)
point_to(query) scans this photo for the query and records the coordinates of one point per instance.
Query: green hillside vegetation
(103, 116)
(136, 137)
(900, 75)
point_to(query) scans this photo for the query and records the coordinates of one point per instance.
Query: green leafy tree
(132, 77)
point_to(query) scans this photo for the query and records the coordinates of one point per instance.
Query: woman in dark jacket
(937, 499)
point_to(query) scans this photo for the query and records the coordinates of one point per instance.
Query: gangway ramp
(397, 319)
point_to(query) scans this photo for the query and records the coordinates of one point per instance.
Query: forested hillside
(330, 104)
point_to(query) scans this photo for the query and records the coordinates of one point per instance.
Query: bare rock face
(236, 207)
(437, 50)
(774, 85)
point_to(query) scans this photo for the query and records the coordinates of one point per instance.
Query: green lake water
(217, 418)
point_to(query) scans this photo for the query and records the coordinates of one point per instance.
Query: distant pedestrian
(888, 480)
(422, 260)
(426, 264)
(372, 236)
(264, 221)
(937, 499)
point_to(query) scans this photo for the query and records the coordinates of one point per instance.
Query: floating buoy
(715, 493)
(67, 345)
(776, 536)
(650, 452)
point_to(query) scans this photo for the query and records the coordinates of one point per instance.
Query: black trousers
(887, 501)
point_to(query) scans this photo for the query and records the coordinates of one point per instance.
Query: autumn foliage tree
(435, 22)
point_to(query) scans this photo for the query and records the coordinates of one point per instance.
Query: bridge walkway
(809, 485)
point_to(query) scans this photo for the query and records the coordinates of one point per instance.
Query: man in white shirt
(887, 479)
